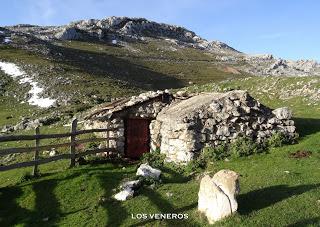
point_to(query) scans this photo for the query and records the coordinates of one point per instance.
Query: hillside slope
(88, 62)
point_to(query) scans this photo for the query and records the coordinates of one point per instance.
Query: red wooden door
(137, 137)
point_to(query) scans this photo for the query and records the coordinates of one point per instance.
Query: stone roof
(122, 104)
(191, 107)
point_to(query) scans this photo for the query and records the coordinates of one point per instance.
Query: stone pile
(210, 119)
(128, 188)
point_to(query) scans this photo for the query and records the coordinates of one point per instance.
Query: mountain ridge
(126, 29)
(88, 62)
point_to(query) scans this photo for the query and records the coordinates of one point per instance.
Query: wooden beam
(36, 154)
(32, 163)
(73, 144)
(48, 147)
(29, 149)
(52, 136)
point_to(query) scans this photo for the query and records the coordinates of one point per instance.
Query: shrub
(244, 146)
(196, 164)
(277, 139)
(216, 153)
(147, 181)
(153, 158)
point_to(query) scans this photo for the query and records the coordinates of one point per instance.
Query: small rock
(131, 184)
(102, 199)
(282, 113)
(52, 152)
(147, 171)
(181, 94)
(169, 194)
(125, 194)
(45, 219)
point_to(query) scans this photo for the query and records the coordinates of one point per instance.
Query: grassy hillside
(82, 69)
(83, 74)
(301, 94)
(276, 189)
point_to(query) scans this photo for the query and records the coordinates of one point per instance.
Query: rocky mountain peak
(125, 30)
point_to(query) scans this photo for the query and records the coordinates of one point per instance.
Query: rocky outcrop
(27, 123)
(264, 65)
(217, 195)
(68, 33)
(126, 29)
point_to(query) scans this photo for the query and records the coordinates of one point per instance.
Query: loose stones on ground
(128, 188)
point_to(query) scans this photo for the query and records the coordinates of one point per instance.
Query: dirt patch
(232, 70)
(300, 154)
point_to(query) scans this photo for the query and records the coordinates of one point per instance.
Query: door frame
(126, 134)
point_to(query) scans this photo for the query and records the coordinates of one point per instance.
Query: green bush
(153, 158)
(196, 164)
(147, 181)
(216, 153)
(277, 139)
(244, 146)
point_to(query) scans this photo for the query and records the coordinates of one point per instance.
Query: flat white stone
(130, 184)
(125, 194)
(147, 171)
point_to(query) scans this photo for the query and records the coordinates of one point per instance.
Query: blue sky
(285, 28)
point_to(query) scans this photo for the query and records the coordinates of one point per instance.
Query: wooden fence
(37, 137)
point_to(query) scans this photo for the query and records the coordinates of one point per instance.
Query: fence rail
(37, 148)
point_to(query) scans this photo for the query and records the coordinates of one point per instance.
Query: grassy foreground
(276, 190)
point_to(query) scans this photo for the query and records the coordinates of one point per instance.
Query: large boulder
(145, 170)
(217, 195)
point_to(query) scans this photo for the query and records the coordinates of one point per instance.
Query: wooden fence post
(73, 144)
(36, 153)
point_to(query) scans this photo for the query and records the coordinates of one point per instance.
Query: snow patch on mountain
(15, 72)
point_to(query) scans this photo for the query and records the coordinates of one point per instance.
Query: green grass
(86, 73)
(276, 190)
(275, 92)
(72, 197)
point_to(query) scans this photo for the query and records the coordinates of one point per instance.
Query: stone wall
(181, 130)
(147, 110)
(119, 139)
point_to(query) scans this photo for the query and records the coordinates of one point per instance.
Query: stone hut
(180, 126)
